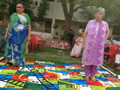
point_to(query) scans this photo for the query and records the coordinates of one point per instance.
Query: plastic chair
(119, 51)
(35, 41)
(112, 52)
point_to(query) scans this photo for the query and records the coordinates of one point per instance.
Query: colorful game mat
(40, 75)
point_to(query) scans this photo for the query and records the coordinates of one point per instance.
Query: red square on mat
(50, 75)
(29, 60)
(3, 61)
(59, 66)
(96, 83)
(77, 65)
(20, 77)
(38, 66)
(74, 73)
(113, 79)
(31, 89)
(12, 68)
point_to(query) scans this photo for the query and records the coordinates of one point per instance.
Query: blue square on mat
(101, 78)
(79, 82)
(2, 66)
(49, 65)
(10, 89)
(39, 75)
(5, 77)
(30, 66)
(100, 70)
(64, 72)
(50, 87)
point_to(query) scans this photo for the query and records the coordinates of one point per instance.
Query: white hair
(101, 10)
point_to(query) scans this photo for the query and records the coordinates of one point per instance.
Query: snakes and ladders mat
(40, 75)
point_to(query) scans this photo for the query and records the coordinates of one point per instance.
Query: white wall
(43, 35)
(59, 12)
(118, 42)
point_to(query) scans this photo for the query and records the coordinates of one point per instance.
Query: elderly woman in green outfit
(17, 34)
(2, 33)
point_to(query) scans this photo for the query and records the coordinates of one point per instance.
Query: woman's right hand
(5, 37)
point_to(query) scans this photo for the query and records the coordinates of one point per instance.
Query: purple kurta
(94, 44)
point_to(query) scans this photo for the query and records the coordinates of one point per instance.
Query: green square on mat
(113, 88)
(96, 87)
(98, 67)
(26, 73)
(79, 68)
(112, 76)
(15, 84)
(41, 64)
(40, 70)
(29, 63)
(64, 81)
(8, 72)
(52, 81)
(50, 63)
(76, 77)
(31, 85)
(61, 69)
(71, 70)
(2, 63)
(59, 64)
(116, 84)
(66, 87)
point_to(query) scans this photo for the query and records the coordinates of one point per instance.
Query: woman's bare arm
(29, 32)
(7, 31)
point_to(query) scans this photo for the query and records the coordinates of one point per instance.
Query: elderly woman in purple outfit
(95, 35)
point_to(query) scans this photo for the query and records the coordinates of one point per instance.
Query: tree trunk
(68, 15)
(68, 24)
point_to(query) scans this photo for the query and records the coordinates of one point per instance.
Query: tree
(43, 7)
(112, 12)
(88, 7)
(71, 9)
(3, 8)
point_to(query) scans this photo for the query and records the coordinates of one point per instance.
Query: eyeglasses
(19, 7)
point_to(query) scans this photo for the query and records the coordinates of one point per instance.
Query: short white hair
(101, 10)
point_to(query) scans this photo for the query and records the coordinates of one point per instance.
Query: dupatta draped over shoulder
(16, 43)
(94, 44)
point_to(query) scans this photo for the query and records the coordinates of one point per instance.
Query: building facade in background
(55, 16)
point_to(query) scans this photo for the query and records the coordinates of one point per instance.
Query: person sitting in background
(2, 33)
(71, 38)
(117, 61)
(76, 50)
(111, 41)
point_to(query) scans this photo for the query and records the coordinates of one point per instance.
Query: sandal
(8, 64)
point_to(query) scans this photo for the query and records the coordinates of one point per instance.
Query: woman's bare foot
(87, 78)
(118, 68)
(93, 78)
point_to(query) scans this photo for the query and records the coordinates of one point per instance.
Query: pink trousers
(90, 70)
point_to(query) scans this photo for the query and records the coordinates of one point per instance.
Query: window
(48, 26)
(51, 0)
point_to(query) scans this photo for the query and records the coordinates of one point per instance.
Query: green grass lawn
(52, 55)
